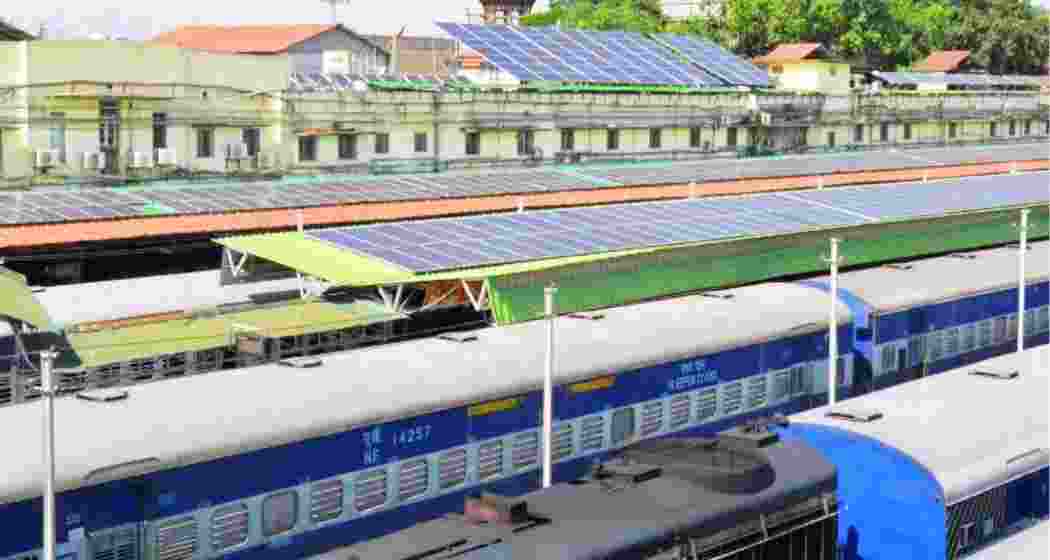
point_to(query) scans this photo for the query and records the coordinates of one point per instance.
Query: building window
(250, 136)
(953, 130)
(347, 146)
(160, 131)
(57, 136)
(612, 140)
(279, 512)
(654, 138)
(831, 139)
(382, 142)
(568, 140)
(205, 146)
(525, 142)
(884, 132)
(473, 147)
(776, 69)
(731, 137)
(832, 71)
(907, 131)
(1013, 128)
(1028, 128)
(858, 134)
(694, 137)
(993, 129)
(420, 142)
(307, 148)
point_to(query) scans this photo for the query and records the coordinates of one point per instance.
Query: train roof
(131, 297)
(1030, 543)
(971, 432)
(273, 404)
(597, 519)
(945, 277)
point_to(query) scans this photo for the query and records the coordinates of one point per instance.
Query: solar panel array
(69, 205)
(613, 57)
(451, 243)
(720, 62)
(966, 80)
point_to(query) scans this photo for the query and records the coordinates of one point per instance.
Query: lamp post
(548, 384)
(47, 391)
(833, 322)
(1022, 249)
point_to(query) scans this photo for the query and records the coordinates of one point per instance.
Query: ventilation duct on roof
(301, 362)
(103, 395)
(899, 266)
(1015, 245)
(996, 374)
(589, 316)
(862, 415)
(718, 295)
(963, 256)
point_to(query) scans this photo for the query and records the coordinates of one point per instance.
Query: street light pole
(47, 391)
(833, 322)
(1022, 249)
(548, 385)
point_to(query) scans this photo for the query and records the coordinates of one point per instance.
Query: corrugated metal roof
(187, 334)
(942, 61)
(17, 301)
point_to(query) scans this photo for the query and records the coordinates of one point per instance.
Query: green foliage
(1006, 36)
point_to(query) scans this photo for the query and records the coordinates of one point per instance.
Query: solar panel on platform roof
(715, 60)
(444, 244)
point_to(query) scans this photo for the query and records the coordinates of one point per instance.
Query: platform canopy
(511, 243)
(18, 303)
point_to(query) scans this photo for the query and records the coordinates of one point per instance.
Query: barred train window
(326, 500)
(370, 490)
(1030, 326)
(999, 330)
(984, 333)
(756, 391)
(413, 479)
(680, 405)
(733, 398)
(801, 377)
(562, 445)
(1011, 326)
(889, 358)
(1044, 318)
(652, 418)
(592, 433)
(279, 512)
(916, 349)
(490, 459)
(452, 468)
(177, 539)
(706, 403)
(229, 526)
(526, 450)
(936, 350)
(781, 385)
(951, 342)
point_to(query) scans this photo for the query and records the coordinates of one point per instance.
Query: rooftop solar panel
(716, 60)
(443, 244)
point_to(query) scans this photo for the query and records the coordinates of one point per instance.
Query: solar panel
(717, 61)
(443, 244)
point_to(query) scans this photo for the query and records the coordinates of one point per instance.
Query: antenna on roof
(332, 4)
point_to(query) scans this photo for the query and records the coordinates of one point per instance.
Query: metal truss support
(393, 302)
(481, 301)
(236, 265)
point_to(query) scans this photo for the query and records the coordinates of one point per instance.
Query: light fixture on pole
(1022, 249)
(47, 391)
(548, 384)
(833, 326)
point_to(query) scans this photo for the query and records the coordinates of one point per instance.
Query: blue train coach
(939, 467)
(931, 315)
(283, 460)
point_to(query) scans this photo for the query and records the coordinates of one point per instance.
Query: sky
(140, 19)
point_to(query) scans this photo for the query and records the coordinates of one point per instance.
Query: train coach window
(370, 490)
(969, 338)
(916, 349)
(781, 385)
(490, 459)
(984, 333)
(935, 340)
(999, 330)
(622, 425)
(326, 500)
(1011, 326)
(1030, 326)
(526, 450)
(452, 468)
(229, 526)
(1044, 318)
(951, 342)
(706, 404)
(413, 479)
(279, 512)
(732, 398)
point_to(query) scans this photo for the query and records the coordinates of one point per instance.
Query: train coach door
(115, 525)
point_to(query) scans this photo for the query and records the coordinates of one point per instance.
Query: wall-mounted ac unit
(166, 156)
(141, 159)
(94, 161)
(236, 151)
(46, 158)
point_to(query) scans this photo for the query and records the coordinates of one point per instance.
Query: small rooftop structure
(793, 52)
(805, 67)
(250, 39)
(944, 61)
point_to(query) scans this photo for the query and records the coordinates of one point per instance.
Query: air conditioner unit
(236, 151)
(94, 161)
(141, 159)
(46, 158)
(166, 156)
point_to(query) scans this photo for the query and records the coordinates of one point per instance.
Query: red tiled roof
(942, 61)
(260, 39)
(791, 52)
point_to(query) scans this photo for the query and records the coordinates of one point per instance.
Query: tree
(602, 15)
(1004, 36)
